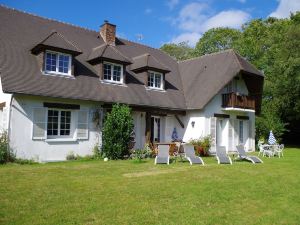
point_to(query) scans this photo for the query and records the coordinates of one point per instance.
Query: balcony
(234, 101)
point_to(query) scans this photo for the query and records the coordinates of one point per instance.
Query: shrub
(117, 130)
(6, 153)
(71, 156)
(202, 145)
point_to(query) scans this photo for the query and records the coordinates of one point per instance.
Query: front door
(155, 129)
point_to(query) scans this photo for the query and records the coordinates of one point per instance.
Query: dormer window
(155, 80)
(112, 72)
(57, 63)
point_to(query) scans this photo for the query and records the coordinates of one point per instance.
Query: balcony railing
(234, 100)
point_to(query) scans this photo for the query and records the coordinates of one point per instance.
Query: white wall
(4, 113)
(42, 150)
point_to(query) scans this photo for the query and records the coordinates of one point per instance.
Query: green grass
(125, 192)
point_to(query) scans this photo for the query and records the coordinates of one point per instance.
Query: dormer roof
(107, 52)
(148, 62)
(56, 41)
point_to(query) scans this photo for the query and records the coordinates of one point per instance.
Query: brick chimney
(108, 33)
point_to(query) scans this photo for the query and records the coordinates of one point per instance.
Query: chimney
(108, 33)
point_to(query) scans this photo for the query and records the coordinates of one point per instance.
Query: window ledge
(113, 83)
(61, 140)
(68, 76)
(155, 89)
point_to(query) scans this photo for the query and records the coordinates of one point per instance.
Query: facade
(59, 80)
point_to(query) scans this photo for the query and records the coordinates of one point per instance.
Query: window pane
(63, 65)
(52, 126)
(107, 72)
(50, 61)
(117, 73)
(65, 121)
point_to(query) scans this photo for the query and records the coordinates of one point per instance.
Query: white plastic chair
(279, 150)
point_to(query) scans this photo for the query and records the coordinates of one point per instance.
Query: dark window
(59, 123)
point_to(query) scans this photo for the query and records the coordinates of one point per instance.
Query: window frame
(161, 80)
(57, 63)
(112, 69)
(59, 136)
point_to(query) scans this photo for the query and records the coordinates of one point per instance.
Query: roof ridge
(206, 55)
(45, 18)
(99, 46)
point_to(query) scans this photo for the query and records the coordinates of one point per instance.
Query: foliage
(204, 142)
(96, 152)
(179, 51)
(71, 156)
(216, 39)
(117, 130)
(6, 153)
(272, 45)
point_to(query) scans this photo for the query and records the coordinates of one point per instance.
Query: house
(56, 78)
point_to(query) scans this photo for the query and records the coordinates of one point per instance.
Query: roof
(20, 72)
(147, 61)
(58, 41)
(190, 84)
(106, 51)
(204, 77)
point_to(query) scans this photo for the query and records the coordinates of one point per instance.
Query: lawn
(124, 192)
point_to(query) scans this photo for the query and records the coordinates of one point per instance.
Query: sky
(156, 22)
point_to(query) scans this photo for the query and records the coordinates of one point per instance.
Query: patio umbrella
(272, 139)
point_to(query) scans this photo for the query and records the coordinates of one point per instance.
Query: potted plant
(197, 142)
(206, 144)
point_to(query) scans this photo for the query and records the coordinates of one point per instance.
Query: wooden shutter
(213, 126)
(231, 136)
(39, 124)
(83, 125)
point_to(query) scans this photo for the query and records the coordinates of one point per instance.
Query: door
(243, 132)
(155, 129)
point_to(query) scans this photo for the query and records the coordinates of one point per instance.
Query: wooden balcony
(234, 100)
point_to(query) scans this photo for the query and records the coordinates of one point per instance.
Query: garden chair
(189, 153)
(221, 155)
(163, 156)
(265, 150)
(243, 155)
(279, 150)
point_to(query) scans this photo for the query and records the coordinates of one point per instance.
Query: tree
(179, 51)
(216, 39)
(117, 130)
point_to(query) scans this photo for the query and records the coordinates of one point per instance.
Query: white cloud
(196, 18)
(242, 1)
(190, 38)
(230, 18)
(285, 7)
(148, 11)
(172, 3)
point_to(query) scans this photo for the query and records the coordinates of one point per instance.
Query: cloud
(190, 38)
(172, 3)
(148, 11)
(242, 1)
(230, 18)
(285, 7)
(196, 18)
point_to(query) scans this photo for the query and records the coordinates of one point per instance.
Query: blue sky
(158, 21)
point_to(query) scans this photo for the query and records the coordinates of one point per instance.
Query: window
(241, 132)
(59, 63)
(113, 72)
(155, 80)
(59, 123)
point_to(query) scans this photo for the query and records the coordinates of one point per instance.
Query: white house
(56, 78)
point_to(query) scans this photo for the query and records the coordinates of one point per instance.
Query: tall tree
(179, 51)
(216, 39)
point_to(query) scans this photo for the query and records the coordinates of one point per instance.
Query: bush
(71, 156)
(202, 145)
(117, 130)
(6, 153)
